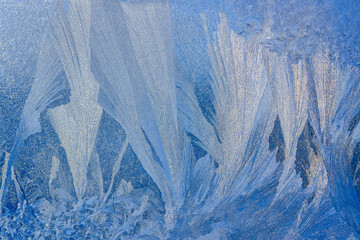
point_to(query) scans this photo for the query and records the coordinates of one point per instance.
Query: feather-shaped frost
(77, 122)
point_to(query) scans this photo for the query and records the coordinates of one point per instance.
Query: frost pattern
(274, 156)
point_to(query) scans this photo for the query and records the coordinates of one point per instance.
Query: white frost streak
(3, 175)
(149, 31)
(193, 120)
(243, 107)
(45, 87)
(289, 86)
(77, 122)
(135, 66)
(333, 83)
